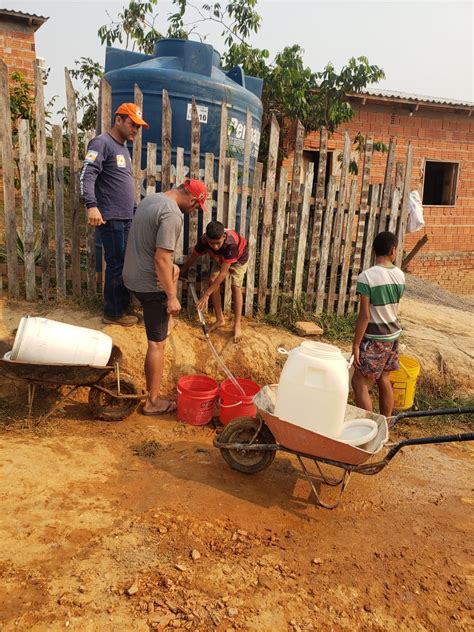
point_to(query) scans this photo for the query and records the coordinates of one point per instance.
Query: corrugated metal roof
(21, 14)
(407, 96)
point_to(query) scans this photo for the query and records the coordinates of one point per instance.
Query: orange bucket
(235, 404)
(197, 395)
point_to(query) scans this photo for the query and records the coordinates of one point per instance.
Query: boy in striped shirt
(375, 346)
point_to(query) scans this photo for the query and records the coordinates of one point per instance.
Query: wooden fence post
(339, 223)
(325, 244)
(90, 242)
(8, 183)
(278, 242)
(387, 185)
(245, 175)
(294, 205)
(151, 168)
(268, 211)
(371, 226)
(75, 208)
(303, 233)
(105, 105)
(222, 164)
(207, 217)
(42, 174)
(231, 219)
(347, 251)
(27, 208)
(59, 210)
(318, 215)
(364, 195)
(194, 173)
(166, 118)
(137, 148)
(401, 234)
(253, 227)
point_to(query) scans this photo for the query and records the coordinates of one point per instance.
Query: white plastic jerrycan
(313, 388)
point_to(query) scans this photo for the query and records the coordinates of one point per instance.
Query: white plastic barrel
(50, 342)
(313, 388)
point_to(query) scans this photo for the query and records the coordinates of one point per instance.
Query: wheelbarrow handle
(466, 436)
(432, 413)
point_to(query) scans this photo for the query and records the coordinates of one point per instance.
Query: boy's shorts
(236, 272)
(377, 356)
(155, 314)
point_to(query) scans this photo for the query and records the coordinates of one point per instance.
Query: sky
(424, 46)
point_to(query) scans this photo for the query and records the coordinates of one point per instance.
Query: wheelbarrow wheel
(113, 408)
(242, 430)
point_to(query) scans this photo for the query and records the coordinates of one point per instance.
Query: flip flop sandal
(171, 408)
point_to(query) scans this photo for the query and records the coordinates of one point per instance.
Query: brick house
(442, 134)
(17, 40)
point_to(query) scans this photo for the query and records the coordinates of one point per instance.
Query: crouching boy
(230, 255)
(375, 346)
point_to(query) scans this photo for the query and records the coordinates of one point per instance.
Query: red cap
(197, 188)
(133, 112)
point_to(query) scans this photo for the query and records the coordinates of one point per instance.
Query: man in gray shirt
(150, 274)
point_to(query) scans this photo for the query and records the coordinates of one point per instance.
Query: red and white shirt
(233, 250)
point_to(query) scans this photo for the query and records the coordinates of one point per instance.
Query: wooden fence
(308, 238)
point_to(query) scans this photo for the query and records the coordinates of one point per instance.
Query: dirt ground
(141, 525)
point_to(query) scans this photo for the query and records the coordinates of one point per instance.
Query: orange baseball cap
(133, 112)
(197, 188)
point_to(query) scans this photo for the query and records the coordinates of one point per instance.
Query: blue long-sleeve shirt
(106, 178)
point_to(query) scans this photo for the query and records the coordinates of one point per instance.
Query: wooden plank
(303, 232)
(222, 163)
(8, 183)
(74, 202)
(294, 204)
(245, 175)
(58, 171)
(231, 219)
(26, 175)
(318, 215)
(402, 227)
(207, 217)
(413, 252)
(151, 168)
(137, 149)
(42, 180)
(387, 185)
(347, 250)
(166, 118)
(194, 173)
(339, 222)
(278, 241)
(90, 243)
(105, 105)
(253, 227)
(394, 210)
(268, 211)
(370, 233)
(179, 166)
(364, 196)
(325, 245)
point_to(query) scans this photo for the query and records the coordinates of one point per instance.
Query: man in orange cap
(108, 192)
(149, 272)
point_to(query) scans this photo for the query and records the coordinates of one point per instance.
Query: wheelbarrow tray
(64, 374)
(313, 444)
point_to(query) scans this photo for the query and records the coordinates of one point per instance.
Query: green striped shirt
(384, 286)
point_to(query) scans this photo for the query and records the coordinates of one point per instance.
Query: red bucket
(234, 403)
(197, 396)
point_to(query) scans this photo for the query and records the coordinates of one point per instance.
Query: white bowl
(358, 431)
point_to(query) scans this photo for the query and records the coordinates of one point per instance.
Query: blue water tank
(186, 69)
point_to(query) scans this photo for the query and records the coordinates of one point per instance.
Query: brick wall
(17, 47)
(436, 134)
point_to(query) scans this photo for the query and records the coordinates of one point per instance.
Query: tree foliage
(291, 89)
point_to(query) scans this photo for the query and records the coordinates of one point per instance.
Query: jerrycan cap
(320, 350)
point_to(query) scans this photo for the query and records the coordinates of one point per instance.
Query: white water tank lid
(320, 349)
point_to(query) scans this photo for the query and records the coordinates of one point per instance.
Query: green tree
(291, 89)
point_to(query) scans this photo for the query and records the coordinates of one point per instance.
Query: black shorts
(155, 314)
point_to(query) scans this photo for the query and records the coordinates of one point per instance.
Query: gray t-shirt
(157, 224)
